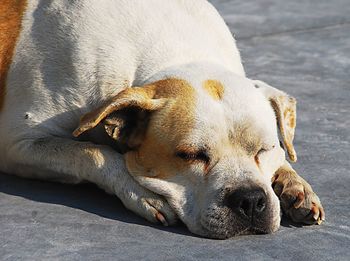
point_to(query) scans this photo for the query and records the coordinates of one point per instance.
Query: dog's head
(209, 147)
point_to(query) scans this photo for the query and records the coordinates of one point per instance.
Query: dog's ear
(125, 116)
(285, 110)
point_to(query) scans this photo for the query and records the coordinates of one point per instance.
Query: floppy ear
(285, 110)
(125, 116)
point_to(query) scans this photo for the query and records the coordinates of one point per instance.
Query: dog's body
(69, 57)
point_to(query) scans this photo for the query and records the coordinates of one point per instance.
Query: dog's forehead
(232, 99)
(207, 110)
(233, 93)
(231, 110)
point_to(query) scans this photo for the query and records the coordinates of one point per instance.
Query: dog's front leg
(72, 161)
(298, 201)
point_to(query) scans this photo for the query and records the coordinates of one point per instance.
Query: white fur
(72, 55)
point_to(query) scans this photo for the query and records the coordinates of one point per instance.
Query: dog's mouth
(221, 222)
(224, 232)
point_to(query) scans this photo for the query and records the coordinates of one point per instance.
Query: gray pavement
(302, 47)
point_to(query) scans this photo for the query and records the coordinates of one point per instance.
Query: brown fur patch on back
(11, 12)
(214, 88)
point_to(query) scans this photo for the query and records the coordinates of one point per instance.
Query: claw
(161, 219)
(321, 218)
(300, 199)
(315, 212)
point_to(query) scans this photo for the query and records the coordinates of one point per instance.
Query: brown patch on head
(142, 98)
(11, 12)
(214, 88)
(151, 121)
(156, 157)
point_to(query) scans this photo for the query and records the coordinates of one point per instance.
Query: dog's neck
(195, 72)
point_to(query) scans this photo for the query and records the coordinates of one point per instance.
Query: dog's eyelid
(266, 148)
(262, 150)
(200, 155)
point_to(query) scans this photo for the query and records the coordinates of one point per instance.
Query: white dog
(195, 140)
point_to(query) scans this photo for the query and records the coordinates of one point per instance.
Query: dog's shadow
(86, 197)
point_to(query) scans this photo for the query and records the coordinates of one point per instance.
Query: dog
(148, 100)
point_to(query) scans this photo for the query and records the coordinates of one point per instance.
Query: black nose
(249, 203)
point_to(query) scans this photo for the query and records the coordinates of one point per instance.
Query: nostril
(245, 207)
(261, 204)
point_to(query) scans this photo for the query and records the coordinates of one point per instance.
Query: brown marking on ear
(11, 13)
(285, 109)
(214, 88)
(155, 157)
(141, 97)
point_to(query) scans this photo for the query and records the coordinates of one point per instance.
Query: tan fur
(156, 152)
(11, 12)
(214, 88)
(191, 150)
(285, 108)
(156, 155)
(257, 161)
(298, 200)
(136, 96)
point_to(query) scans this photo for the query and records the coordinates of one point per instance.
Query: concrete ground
(302, 47)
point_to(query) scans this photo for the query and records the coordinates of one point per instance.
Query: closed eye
(261, 151)
(265, 149)
(200, 155)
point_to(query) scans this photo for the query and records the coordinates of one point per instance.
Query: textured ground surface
(302, 47)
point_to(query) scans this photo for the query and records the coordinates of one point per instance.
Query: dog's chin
(219, 229)
(228, 232)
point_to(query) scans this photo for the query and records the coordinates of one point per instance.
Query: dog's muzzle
(248, 204)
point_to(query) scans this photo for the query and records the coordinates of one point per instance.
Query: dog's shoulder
(10, 26)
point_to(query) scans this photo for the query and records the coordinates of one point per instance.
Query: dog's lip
(229, 234)
(207, 232)
(226, 233)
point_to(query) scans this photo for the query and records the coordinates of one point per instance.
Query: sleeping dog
(149, 100)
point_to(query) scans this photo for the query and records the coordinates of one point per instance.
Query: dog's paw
(148, 205)
(298, 201)
(157, 210)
